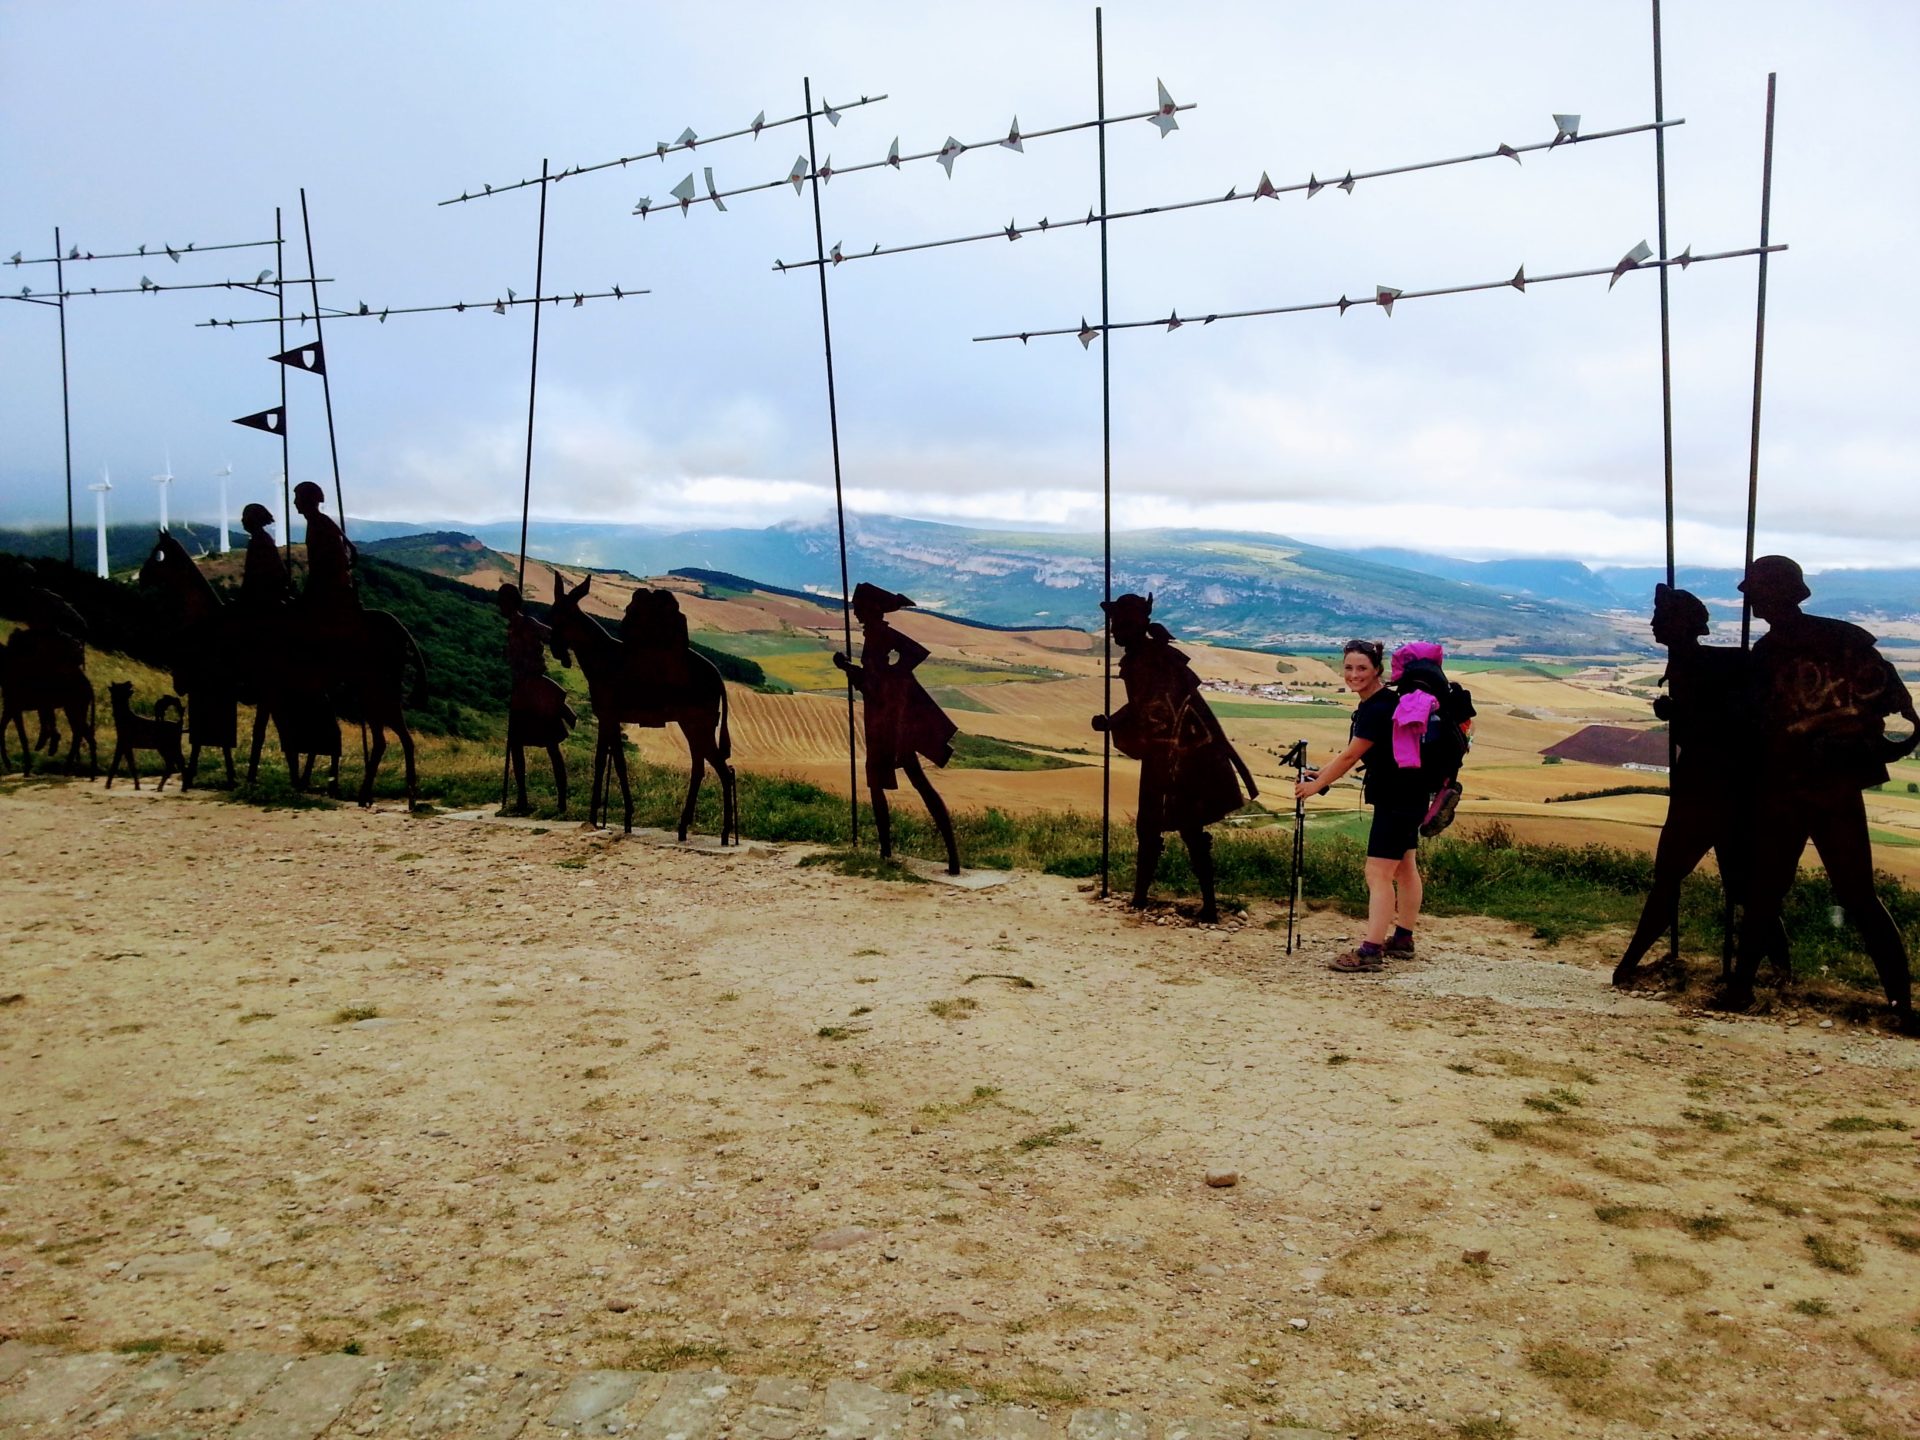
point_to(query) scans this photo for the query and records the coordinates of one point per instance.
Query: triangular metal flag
(1519, 280)
(1164, 120)
(826, 172)
(1087, 334)
(499, 307)
(688, 138)
(1174, 322)
(712, 193)
(1265, 188)
(1566, 127)
(1684, 258)
(273, 421)
(146, 284)
(893, 153)
(1012, 142)
(1508, 151)
(1347, 184)
(834, 254)
(1630, 261)
(1384, 296)
(172, 254)
(826, 109)
(758, 121)
(797, 176)
(949, 152)
(683, 192)
(1314, 185)
(309, 358)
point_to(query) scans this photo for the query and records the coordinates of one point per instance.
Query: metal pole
(326, 382)
(1666, 379)
(833, 425)
(1106, 482)
(66, 409)
(286, 469)
(533, 376)
(1759, 358)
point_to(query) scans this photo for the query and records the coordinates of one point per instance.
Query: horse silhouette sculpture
(655, 685)
(41, 671)
(225, 654)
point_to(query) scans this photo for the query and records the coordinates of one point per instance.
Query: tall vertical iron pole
(833, 425)
(286, 467)
(66, 411)
(1106, 480)
(1759, 359)
(326, 370)
(533, 372)
(1666, 373)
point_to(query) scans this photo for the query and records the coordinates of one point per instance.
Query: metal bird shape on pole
(457, 307)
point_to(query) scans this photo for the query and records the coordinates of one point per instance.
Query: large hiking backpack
(1449, 732)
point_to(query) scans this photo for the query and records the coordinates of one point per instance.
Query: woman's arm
(1346, 760)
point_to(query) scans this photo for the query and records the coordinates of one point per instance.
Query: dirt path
(537, 1097)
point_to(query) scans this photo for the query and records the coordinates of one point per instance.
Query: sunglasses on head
(1372, 649)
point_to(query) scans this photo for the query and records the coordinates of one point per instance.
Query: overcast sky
(1490, 424)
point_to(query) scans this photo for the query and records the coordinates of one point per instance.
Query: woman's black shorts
(1396, 830)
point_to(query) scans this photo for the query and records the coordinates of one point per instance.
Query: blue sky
(1483, 425)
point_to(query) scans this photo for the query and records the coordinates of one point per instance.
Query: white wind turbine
(163, 481)
(221, 475)
(100, 521)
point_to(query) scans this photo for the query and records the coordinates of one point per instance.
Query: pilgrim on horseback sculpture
(292, 657)
(43, 669)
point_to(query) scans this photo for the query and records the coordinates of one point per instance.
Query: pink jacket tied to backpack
(1411, 715)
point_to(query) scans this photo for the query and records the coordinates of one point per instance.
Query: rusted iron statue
(903, 722)
(537, 709)
(1708, 708)
(204, 644)
(630, 688)
(43, 669)
(1824, 693)
(1190, 774)
(295, 659)
(133, 733)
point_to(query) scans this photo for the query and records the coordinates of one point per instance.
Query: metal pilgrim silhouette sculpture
(903, 722)
(1824, 693)
(649, 676)
(537, 708)
(291, 657)
(1708, 708)
(1190, 774)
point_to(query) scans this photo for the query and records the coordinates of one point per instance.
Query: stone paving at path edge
(253, 1395)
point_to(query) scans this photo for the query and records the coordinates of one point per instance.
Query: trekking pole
(1298, 757)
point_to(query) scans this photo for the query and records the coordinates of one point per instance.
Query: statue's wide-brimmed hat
(1680, 607)
(866, 596)
(1136, 608)
(1776, 576)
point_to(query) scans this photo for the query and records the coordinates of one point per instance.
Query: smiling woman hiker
(1399, 801)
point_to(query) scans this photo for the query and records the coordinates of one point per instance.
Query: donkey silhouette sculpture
(662, 684)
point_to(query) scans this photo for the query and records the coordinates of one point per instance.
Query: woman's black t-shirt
(1385, 782)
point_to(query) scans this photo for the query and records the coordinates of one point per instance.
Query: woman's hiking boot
(1363, 959)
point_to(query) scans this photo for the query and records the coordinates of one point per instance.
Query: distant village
(1267, 691)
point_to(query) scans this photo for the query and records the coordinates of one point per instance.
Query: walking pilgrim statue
(1708, 708)
(903, 722)
(1824, 693)
(537, 709)
(1190, 774)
